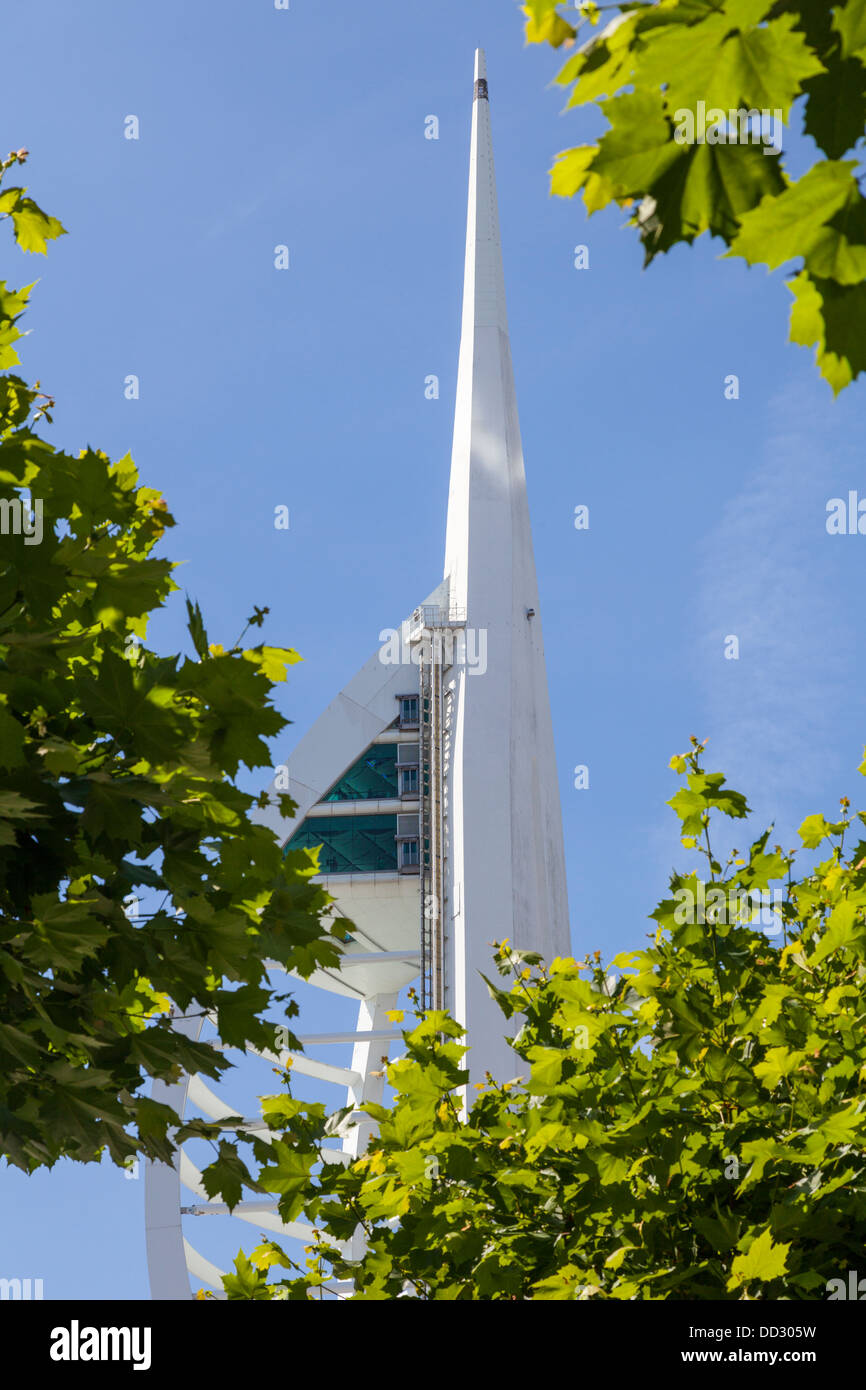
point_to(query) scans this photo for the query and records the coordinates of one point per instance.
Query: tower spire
(484, 316)
(506, 870)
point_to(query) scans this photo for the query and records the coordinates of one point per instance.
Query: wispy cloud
(769, 579)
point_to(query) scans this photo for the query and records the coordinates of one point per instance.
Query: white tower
(505, 869)
(430, 781)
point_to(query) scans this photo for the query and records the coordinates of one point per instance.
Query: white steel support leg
(166, 1252)
(369, 1060)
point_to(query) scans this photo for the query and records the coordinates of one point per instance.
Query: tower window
(373, 775)
(407, 838)
(408, 854)
(352, 844)
(408, 711)
(408, 781)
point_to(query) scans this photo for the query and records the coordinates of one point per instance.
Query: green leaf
(763, 1260)
(570, 171)
(33, 227)
(778, 1063)
(831, 318)
(237, 1010)
(639, 147)
(12, 306)
(15, 807)
(691, 808)
(247, 1282)
(843, 929)
(544, 25)
(546, 1068)
(708, 190)
(287, 1174)
(19, 1045)
(227, 1175)
(727, 61)
(836, 106)
(813, 830)
(758, 1153)
(794, 223)
(603, 65)
(274, 661)
(611, 1167)
(268, 1254)
(849, 21)
(196, 629)
(844, 1127)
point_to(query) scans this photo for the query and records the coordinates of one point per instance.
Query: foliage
(692, 1129)
(118, 778)
(655, 62)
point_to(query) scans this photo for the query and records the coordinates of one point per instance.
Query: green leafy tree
(648, 70)
(691, 1126)
(118, 787)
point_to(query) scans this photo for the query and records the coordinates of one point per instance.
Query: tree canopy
(118, 789)
(686, 1123)
(696, 94)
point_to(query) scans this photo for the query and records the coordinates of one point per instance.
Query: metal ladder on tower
(430, 803)
(435, 638)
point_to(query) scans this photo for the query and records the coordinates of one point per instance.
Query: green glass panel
(373, 775)
(350, 844)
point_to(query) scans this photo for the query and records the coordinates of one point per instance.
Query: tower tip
(480, 73)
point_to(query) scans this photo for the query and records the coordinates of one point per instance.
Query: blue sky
(305, 388)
